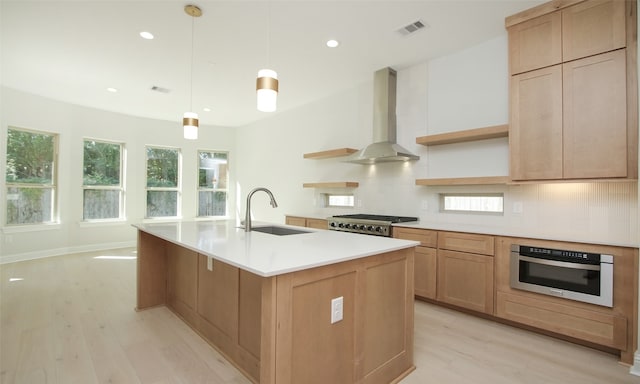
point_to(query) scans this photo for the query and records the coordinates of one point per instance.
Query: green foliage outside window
(101, 163)
(29, 176)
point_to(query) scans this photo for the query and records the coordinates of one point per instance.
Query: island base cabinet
(278, 329)
(466, 280)
(373, 343)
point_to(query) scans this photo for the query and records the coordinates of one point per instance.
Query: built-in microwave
(574, 275)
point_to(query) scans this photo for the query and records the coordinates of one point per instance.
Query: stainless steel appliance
(574, 275)
(378, 225)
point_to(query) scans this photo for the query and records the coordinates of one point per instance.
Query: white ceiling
(73, 50)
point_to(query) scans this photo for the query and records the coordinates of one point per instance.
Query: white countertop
(270, 255)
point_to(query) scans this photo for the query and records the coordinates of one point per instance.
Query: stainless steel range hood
(384, 147)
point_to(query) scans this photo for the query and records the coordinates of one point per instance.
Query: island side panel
(151, 271)
(374, 341)
(388, 318)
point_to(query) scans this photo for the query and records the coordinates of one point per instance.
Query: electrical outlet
(336, 309)
(517, 207)
(210, 263)
(424, 205)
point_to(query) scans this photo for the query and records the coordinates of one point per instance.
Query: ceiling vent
(412, 28)
(160, 89)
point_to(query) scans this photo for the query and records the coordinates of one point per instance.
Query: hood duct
(384, 147)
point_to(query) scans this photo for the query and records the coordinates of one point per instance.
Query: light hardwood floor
(71, 320)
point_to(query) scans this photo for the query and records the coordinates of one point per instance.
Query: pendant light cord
(191, 79)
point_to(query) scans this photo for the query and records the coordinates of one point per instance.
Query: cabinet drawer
(294, 220)
(466, 242)
(426, 237)
(317, 223)
(596, 327)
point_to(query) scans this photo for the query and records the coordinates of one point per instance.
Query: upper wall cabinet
(578, 31)
(593, 27)
(535, 43)
(576, 118)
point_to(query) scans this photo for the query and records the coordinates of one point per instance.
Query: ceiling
(74, 50)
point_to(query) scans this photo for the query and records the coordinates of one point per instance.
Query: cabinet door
(425, 272)
(426, 237)
(536, 43)
(535, 133)
(465, 280)
(218, 303)
(182, 270)
(595, 117)
(593, 27)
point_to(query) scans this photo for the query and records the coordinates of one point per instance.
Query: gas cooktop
(379, 225)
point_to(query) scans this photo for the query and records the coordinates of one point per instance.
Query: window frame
(442, 196)
(177, 188)
(54, 213)
(121, 186)
(204, 189)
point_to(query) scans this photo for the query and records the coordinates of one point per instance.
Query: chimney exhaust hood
(384, 147)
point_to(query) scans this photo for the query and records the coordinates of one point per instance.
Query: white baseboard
(635, 368)
(64, 251)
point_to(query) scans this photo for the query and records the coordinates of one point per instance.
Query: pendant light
(267, 82)
(190, 119)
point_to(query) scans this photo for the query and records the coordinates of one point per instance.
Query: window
(213, 180)
(489, 203)
(103, 191)
(31, 177)
(163, 181)
(331, 200)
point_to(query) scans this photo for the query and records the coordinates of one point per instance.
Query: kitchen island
(266, 302)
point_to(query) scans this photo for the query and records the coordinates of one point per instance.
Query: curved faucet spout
(247, 216)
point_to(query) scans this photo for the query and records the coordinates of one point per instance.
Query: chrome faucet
(247, 217)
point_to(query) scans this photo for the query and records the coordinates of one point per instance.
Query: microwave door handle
(559, 263)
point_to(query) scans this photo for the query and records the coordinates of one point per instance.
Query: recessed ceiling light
(206, 109)
(332, 43)
(113, 90)
(146, 35)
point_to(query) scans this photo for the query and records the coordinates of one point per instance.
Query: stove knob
(378, 229)
(333, 224)
(341, 225)
(363, 227)
(347, 226)
(370, 228)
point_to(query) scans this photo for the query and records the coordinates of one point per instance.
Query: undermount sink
(279, 231)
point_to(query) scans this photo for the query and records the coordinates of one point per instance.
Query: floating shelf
(463, 136)
(488, 180)
(335, 184)
(330, 153)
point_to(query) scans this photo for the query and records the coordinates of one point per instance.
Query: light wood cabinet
(465, 270)
(593, 27)
(614, 327)
(535, 140)
(574, 116)
(594, 117)
(536, 43)
(570, 121)
(425, 264)
(308, 222)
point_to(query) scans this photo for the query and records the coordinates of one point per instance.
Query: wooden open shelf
(330, 153)
(465, 181)
(333, 184)
(492, 132)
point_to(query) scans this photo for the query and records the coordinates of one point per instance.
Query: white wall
(73, 124)
(465, 90)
